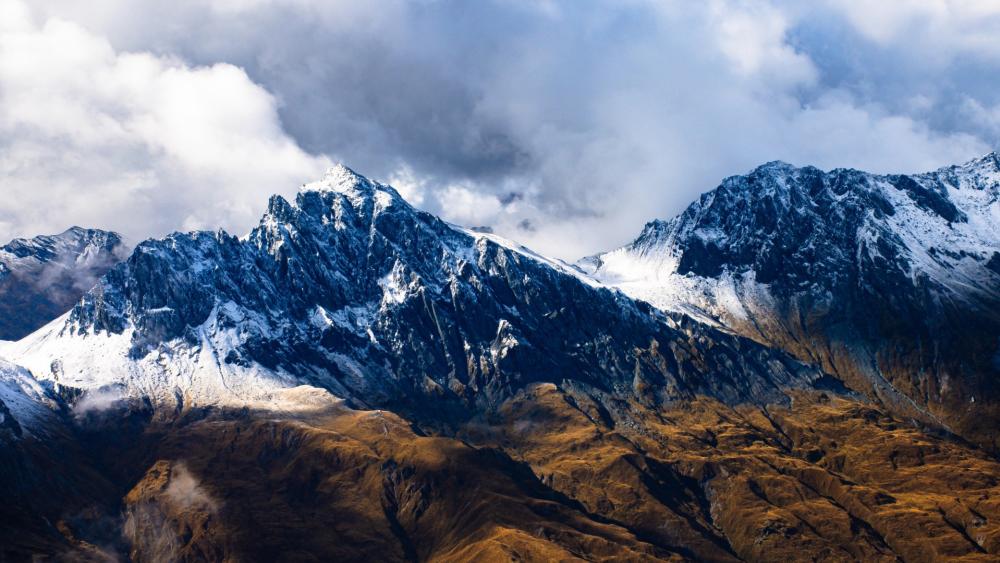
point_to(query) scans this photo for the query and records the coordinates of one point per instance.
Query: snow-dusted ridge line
(352, 290)
(890, 281)
(99, 363)
(554, 263)
(342, 179)
(74, 248)
(951, 252)
(98, 360)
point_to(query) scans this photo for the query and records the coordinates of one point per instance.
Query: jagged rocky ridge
(890, 282)
(352, 290)
(43, 277)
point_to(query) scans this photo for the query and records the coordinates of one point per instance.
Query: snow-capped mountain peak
(352, 290)
(343, 180)
(876, 276)
(339, 178)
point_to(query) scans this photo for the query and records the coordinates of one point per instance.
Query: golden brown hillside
(554, 477)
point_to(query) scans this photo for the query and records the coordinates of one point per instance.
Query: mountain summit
(351, 290)
(889, 282)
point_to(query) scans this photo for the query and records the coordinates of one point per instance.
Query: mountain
(352, 290)
(890, 283)
(357, 379)
(43, 277)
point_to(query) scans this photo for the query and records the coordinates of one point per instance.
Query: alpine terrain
(43, 277)
(801, 366)
(890, 283)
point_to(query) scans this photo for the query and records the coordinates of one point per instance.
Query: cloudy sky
(564, 124)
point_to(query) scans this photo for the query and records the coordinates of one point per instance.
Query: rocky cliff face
(43, 277)
(353, 291)
(889, 282)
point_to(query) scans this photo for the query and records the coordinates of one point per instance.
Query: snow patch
(174, 373)
(394, 285)
(26, 400)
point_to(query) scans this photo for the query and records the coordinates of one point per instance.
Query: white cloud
(409, 185)
(988, 116)
(469, 207)
(141, 143)
(186, 493)
(655, 120)
(942, 28)
(96, 401)
(565, 125)
(753, 37)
